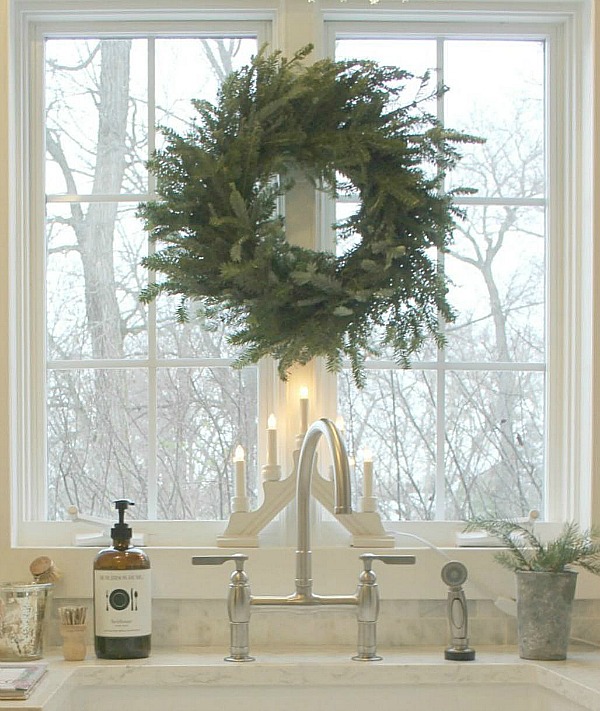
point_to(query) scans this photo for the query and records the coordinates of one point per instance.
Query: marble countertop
(576, 679)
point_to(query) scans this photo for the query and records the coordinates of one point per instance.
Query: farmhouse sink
(296, 685)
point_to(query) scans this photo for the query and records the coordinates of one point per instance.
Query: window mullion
(31, 334)
(152, 334)
(440, 405)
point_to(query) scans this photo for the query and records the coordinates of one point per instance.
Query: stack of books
(17, 681)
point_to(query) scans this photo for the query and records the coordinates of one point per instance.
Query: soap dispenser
(122, 595)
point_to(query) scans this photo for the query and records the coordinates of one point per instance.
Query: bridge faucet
(366, 598)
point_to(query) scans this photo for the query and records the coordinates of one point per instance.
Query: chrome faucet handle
(238, 558)
(238, 604)
(387, 558)
(367, 597)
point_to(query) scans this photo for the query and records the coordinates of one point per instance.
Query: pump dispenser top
(121, 531)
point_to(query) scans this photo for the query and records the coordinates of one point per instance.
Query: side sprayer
(454, 574)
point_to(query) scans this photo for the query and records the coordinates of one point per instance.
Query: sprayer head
(454, 574)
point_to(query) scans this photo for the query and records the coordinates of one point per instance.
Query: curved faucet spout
(342, 487)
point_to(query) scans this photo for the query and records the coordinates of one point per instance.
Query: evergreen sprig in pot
(545, 580)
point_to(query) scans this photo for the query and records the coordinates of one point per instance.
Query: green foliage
(525, 551)
(224, 243)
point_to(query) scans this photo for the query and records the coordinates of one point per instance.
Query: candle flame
(367, 455)
(272, 422)
(304, 393)
(239, 454)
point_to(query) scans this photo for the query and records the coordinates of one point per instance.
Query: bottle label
(122, 603)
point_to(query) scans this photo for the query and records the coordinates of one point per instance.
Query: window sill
(272, 572)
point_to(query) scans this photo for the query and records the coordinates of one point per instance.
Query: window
(118, 399)
(136, 404)
(468, 420)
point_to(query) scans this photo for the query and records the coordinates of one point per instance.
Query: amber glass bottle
(122, 596)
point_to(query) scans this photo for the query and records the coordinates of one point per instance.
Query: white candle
(303, 409)
(351, 465)
(240, 471)
(271, 440)
(367, 473)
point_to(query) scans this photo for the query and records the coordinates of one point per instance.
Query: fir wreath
(342, 124)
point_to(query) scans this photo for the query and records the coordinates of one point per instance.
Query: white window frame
(568, 370)
(570, 150)
(30, 424)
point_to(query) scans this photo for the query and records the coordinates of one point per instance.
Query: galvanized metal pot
(544, 606)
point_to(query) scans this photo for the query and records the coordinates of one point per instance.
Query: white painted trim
(29, 425)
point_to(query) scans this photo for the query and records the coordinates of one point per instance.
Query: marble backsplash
(181, 623)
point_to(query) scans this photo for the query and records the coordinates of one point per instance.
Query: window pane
(203, 414)
(194, 68)
(495, 444)
(394, 416)
(497, 93)
(93, 280)
(497, 274)
(195, 339)
(415, 56)
(97, 440)
(343, 210)
(96, 129)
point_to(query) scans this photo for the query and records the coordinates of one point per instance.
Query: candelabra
(244, 526)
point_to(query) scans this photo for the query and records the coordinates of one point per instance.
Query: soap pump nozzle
(121, 531)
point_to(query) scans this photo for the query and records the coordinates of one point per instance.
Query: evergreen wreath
(342, 124)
